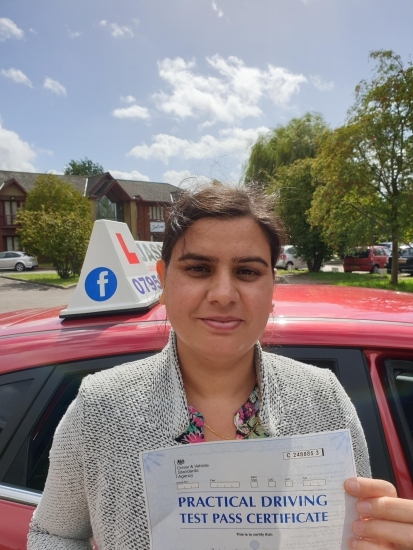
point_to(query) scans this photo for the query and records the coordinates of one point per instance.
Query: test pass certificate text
(262, 494)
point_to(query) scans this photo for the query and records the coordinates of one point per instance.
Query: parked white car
(288, 259)
(17, 260)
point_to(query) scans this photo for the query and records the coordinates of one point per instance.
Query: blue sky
(164, 90)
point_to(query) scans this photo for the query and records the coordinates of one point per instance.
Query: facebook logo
(101, 284)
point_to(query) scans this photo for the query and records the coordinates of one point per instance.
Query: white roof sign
(118, 273)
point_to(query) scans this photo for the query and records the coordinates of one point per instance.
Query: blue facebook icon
(101, 284)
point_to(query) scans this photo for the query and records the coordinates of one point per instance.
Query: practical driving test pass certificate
(262, 494)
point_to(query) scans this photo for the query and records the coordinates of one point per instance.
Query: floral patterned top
(246, 421)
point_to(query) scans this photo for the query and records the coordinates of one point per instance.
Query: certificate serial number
(303, 454)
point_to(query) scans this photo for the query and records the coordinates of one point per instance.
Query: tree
(282, 163)
(55, 222)
(366, 167)
(51, 194)
(83, 167)
(283, 146)
(294, 187)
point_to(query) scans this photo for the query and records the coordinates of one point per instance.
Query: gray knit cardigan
(94, 487)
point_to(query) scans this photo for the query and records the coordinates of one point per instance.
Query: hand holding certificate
(276, 493)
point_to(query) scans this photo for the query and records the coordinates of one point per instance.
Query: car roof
(291, 300)
(304, 301)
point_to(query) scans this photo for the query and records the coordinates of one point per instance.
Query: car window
(350, 368)
(359, 253)
(10, 396)
(399, 380)
(42, 435)
(378, 252)
(2, 255)
(26, 460)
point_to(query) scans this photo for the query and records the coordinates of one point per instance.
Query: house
(137, 203)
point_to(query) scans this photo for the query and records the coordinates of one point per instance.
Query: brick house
(137, 203)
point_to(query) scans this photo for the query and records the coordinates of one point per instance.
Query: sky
(177, 91)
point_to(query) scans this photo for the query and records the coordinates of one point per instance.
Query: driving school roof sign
(118, 274)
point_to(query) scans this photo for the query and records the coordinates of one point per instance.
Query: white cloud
(134, 175)
(117, 31)
(134, 111)
(232, 94)
(128, 99)
(55, 172)
(74, 34)
(215, 7)
(9, 29)
(321, 84)
(17, 76)
(231, 141)
(33, 31)
(183, 178)
(15, 154)
(54, 86)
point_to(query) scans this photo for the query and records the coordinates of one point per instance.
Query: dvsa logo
(101, 284)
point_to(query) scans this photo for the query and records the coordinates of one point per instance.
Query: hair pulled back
(225, 203)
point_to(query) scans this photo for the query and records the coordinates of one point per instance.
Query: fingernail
(352, 543)
(363, 507)
(358, 528)
(352, 485)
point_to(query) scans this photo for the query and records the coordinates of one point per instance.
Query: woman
(217, 272)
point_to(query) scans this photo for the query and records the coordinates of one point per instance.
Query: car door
(11, 259)
(379, 257)
(3, 260)
(32, 402)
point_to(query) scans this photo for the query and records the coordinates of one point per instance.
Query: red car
(369, 258)
(364, 336)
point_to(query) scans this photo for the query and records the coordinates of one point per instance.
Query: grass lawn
(46, 278)
(366, 280)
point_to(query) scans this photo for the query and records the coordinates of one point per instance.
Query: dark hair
(220, 201)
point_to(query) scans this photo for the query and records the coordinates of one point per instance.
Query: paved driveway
(16, 295)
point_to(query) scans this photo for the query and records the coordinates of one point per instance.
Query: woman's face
(218, 286)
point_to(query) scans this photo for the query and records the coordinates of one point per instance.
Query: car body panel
(9, 260)
(366, 258)
(405, 261)
(12, 517)
(288, 256)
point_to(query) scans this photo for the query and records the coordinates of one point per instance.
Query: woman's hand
(386, 521)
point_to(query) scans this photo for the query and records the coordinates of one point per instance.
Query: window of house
(155, 213)
(106, 210)
(8, 211)
(12, 243)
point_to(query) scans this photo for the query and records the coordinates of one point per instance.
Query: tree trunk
(315, 264)
(394, 261)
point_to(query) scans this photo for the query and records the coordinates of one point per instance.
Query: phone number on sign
(146, 284)
(303, 454)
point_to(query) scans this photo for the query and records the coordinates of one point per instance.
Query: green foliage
(367, 165)
(51, 194)
(83, 167)
(46, 279)
(282, 163)
(283, 146)
(55, 223)
(294, 187)
(365, 280)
